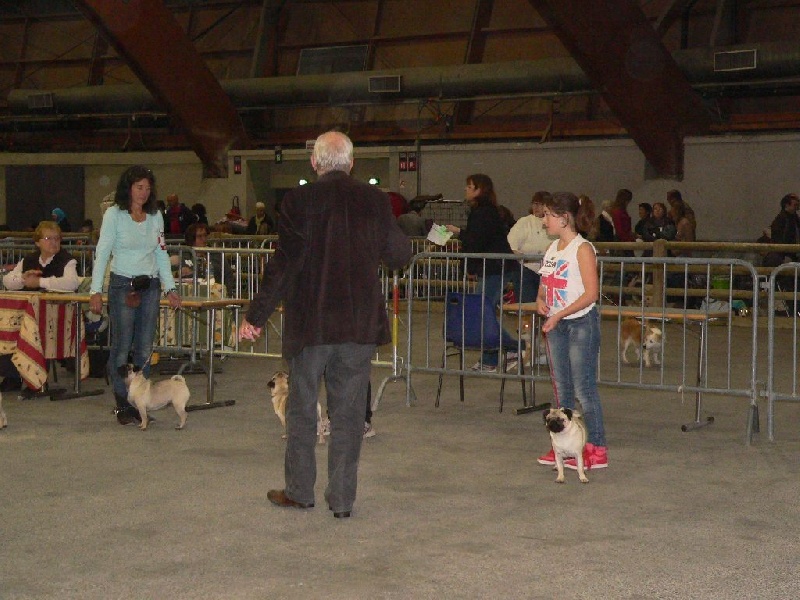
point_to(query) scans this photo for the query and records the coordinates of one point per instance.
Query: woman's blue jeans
(574, 353)
(492, 288)
(133, 330)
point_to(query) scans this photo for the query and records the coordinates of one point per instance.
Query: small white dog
(3, 420)
(146, 395)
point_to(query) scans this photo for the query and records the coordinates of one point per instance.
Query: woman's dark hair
(580, 209)
(674, 196)
(199, 209)
(646, 206)
(190, 236)
(541, 197)
(122, 198)
(623, 198)
(787, 200)
(485, 185)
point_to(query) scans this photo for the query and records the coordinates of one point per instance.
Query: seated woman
(49, 268)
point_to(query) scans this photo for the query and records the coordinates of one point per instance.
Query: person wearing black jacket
(485, 233)
(334, 315)
(785, 229)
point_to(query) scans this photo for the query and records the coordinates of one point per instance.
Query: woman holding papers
(485, 233)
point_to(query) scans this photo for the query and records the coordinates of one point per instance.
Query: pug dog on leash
(146, 395)
(279, 388)
(568, 436)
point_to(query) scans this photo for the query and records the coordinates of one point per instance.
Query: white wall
(734, 183)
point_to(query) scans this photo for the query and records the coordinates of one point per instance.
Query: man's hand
(248, 331)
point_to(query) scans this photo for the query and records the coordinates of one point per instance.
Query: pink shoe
(548, 459)
(594, 457)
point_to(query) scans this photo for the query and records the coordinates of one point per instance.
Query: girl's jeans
(574, 352)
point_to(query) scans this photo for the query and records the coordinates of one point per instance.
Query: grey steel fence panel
(782, 341)
(671, 292)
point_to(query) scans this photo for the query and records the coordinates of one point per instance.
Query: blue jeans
(492, 288)
(574, 352)
(346, 368)
(133, 330)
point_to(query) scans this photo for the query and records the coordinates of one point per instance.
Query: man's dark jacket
(332, 237)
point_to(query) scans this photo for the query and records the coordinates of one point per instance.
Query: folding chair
(471, 324)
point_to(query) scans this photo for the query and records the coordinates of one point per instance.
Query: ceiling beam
(619, 51)
(476, 47)
(158, 51)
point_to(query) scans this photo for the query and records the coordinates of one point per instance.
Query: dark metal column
(156, 48)
(619, 51)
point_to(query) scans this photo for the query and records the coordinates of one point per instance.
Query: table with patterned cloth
(34, 329)
(167, 328)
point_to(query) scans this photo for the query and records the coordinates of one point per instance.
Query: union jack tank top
(561, 277)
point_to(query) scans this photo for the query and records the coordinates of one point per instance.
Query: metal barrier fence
(782, 342)
(686, 298)
(242, 279)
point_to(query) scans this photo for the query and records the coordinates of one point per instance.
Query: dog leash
(550, 366)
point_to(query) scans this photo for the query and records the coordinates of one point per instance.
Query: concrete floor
(451, 503)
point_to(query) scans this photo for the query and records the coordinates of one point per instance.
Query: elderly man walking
(333, 235)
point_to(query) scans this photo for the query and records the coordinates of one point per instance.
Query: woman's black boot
(125, 413)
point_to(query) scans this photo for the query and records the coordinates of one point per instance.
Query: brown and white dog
(568, 436)
(3, 420)
(526, 334)
(279, 388)
(146, 395)
(649, 348)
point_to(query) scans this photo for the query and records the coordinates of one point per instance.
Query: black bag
(140, 283)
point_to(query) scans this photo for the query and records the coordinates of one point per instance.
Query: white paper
(439, 234)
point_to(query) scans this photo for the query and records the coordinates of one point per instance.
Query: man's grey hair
(333, 151)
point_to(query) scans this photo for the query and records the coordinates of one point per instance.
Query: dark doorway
(33, 192)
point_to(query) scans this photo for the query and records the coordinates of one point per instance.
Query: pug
(279, 389)
(568, 436)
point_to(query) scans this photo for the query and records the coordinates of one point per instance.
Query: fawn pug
(568, 436)
(648, 348)
(146, 395)
(279, 388)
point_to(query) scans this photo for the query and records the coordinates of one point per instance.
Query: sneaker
(594, 457)
(484, 368)
(548, 459)
(369, 431)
